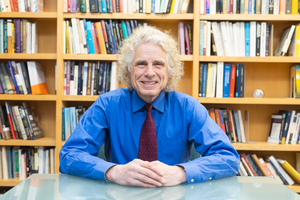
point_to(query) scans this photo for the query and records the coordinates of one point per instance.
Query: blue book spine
(8, 157)
(207, 6)
(128, 28)
(204, 79)
(280, 175)
(226, 80)
(110, 6)
(153, 6)
(104, 77)
(254, 6)
(104, 7)
(238, 69)
(124, 30)
(13, 163)
(63, 135)
(247, 39)
(250, 7)
(79, 78)
(90, 37)
(73, 119)
(67, 122)
(85, 32)
(236, 119)
(13, 77)
(201, 38)
(109, 38)
(113, 37)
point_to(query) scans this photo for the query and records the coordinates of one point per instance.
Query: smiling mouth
(149, 82)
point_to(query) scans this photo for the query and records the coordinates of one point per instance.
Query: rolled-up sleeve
(218, 157)
(79, 154)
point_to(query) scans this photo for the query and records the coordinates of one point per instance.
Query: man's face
(149, 71)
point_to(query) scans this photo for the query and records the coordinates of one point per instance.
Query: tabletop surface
(61, 186)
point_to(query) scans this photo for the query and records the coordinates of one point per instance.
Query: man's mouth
(149, 82)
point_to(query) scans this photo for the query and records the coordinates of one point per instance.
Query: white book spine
(218, 38)
(64, 38)
(263, 31)
(179, 6)
(175, 9)
(267, 7)
(241, 123)
(252, 39)
(7, 5)
(4, 163)
(157, 4)
(202, 8)
(47, 162)
(133, 2)
(281, 170)
(124, 6)
(296, 131)
(33, 37)
(288, 40)
(65, 8)
(75, 36)
(28, 37)
(52, 166)
(75, 79)
(93, 79)
(204, 37)
(220, 74)
(213, 80)
(144, 6)
(263, 7)
(113, 76)
(225, 37)
(21, 5)
(274, 173)
(21, 78)
(79, 35)
(242, 170)
(83, 36)
(2, 6)
(20, 165)
(234, 6)
(1, 36)
(290, 127)
(165, 6)
(276, 7)
(231, 39)
(85, 73)
(41, 158)
(236, 35)
(88, 6)
(208, 38)
(242, 39)
(129, 7)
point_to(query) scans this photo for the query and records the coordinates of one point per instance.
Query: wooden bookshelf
(9, 182)
(271, 74)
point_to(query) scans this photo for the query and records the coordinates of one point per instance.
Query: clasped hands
(146, 174)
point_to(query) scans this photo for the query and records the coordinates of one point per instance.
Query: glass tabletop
(61, 186)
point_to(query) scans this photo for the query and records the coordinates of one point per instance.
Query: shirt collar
(138, 103)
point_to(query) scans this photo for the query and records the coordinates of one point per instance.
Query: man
(148, 129)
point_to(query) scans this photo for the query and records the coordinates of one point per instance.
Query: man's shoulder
(121, 93)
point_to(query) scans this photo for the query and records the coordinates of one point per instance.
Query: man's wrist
(108, 174)
(182, 173)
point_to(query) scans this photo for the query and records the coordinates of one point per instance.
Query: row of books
(221, 80)
(22, 78)
(127, 6)
(70, 119)
(18, 36)
(236, 39)
(285, 127)
(231, 122)
(279, 169)
(20, 122)
(21, 162)
(89, 78)
(185, 39)
(86, 37)
(275, 7)
(21, 6)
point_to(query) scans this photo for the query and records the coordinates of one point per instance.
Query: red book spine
(69, 6)
(15, 5)
(10, 121)
(232, 81)
(104, 31)
(121, 6)
(249, 164)
(186, 36)
(114, 6)
(94, 40)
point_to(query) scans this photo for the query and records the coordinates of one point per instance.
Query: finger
(139, 183)
(149, 177)
(154, 166)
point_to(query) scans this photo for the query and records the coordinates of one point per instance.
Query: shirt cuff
(101, 168)
(193, 174)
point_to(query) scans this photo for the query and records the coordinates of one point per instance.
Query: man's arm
(219, 158)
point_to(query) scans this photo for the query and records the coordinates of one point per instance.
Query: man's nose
(149, 70)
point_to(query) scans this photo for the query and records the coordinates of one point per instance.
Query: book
(284, 41)
(286, 165)
(280, 171)
(37, 78)
(275, 128)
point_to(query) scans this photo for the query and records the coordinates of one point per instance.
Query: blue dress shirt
(116, 119)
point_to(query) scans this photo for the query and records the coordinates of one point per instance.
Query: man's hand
(173, 175)
(136, 173)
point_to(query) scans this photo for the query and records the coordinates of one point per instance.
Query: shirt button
(210, 178)
(192, 180)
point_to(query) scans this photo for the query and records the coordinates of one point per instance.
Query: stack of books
(22, 6)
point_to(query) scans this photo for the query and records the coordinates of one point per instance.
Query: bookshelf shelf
(270, 59)
(27, 15)
(130, 16)
(250, 100)
(264, 146)
(110, 57)
(9, 182)
(25, 56)
(46, 141)
(295, 188)
(80, 98)
(29, 97)
(245, 17)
